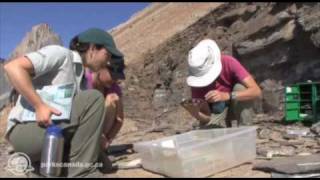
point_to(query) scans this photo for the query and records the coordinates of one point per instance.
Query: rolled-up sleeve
(48, 58)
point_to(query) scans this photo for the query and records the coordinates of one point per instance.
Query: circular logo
(19, 164)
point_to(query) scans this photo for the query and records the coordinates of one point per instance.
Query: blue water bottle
(52, 152)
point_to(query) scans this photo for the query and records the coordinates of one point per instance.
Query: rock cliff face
(277, 42)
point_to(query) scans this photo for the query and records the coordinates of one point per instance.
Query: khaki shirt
(53, 65)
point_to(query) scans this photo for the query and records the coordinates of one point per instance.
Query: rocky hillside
(154, 25)
(40, 35)
(277, 42)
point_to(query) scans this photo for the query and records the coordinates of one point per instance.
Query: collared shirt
(52, 65)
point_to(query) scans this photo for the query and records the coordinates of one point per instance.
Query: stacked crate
(302, 102)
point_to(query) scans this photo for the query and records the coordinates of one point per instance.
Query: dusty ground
(244, 170)
(270, 135)
(128, 134)
(241, 171)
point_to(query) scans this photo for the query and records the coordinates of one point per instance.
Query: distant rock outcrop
(41, 35)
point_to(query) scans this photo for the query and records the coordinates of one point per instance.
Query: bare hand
(112, 99)
(192, 105)
(43, 114)
(216, 96)
(105, 142)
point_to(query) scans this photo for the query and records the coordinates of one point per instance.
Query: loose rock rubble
(280, 139)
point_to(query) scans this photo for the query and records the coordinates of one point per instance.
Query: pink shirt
(115, 88)
(232, 73)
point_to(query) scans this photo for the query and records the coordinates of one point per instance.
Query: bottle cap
(54, 130)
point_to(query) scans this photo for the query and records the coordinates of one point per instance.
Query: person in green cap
(55, 65)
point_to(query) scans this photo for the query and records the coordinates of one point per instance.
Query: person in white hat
(220, 86)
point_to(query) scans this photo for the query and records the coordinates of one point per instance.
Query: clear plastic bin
(198, 153)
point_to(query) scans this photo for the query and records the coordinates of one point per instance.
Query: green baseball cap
(99, 36)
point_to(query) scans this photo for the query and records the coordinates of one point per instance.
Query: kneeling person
(106, 81)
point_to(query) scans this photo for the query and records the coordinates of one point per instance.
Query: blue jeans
(222, 113)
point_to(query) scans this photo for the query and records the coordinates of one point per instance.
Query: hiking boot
(106, 163)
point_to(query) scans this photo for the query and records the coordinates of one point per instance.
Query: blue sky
(65, 19)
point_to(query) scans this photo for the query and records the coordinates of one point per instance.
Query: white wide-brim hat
(204, 62)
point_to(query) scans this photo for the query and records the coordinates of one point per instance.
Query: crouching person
(106, 81)
(54, 65)
(222, 89)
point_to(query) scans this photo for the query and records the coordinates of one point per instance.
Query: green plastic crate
(292, 97)
(293, 115)
(292, 105)
(298, 95)
(292, 89)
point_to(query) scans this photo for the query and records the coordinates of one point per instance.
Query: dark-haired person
(53, 65)
(106, 81)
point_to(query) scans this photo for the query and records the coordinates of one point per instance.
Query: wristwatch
(233, 96)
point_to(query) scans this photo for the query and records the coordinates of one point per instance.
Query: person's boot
(106, 163)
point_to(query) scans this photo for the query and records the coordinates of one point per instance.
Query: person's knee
(95, 96)
(33, 152)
